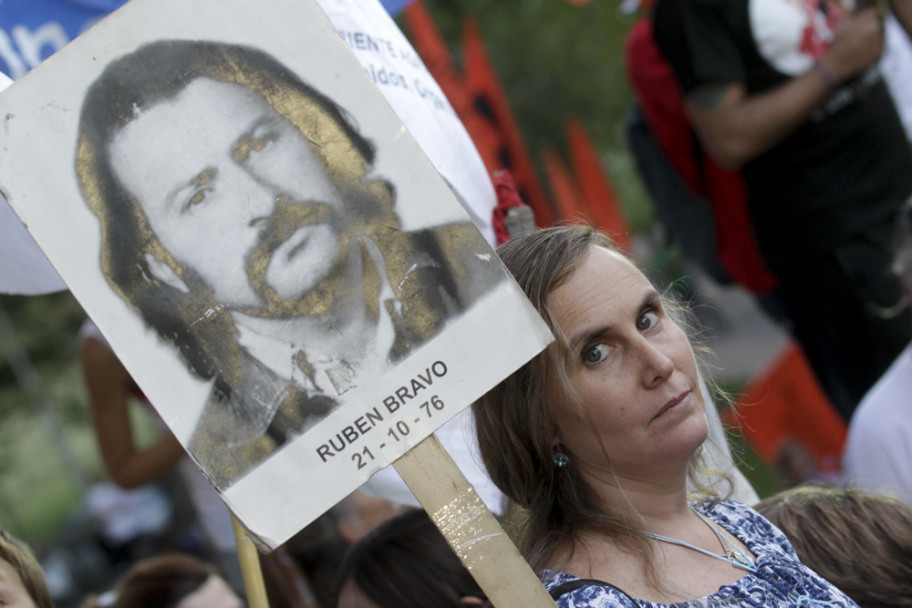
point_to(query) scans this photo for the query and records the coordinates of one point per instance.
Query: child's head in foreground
(22, 583)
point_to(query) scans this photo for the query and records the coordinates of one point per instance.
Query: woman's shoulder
(757, 532)
(733, 513)
(570, 591)
(730, 511)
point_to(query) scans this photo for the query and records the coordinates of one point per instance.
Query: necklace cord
(734, 556)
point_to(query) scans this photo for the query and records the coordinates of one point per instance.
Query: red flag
(785, 405)
(567, 197)
(490, 102)
(596, 187)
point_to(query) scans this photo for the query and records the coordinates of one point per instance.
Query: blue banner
(394, 6)
(33, 30)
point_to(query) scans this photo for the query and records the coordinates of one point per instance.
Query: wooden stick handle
(251, 571)
(470, 528)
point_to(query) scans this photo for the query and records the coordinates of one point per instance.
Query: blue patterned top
(779, 580)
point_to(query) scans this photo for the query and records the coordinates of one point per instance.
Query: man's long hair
(202, 330)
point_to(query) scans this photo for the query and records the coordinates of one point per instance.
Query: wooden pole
(470, 528)
(251, 571)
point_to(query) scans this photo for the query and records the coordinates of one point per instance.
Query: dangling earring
(559, 459)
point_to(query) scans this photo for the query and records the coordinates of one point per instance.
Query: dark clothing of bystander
(824, 199)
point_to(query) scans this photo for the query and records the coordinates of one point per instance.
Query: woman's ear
(555, 436)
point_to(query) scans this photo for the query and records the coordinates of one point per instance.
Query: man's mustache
(285, 220)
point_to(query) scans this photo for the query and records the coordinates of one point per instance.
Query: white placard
(222, 188)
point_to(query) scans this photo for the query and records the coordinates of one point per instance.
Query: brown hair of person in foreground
(859, 541)
(173, 580)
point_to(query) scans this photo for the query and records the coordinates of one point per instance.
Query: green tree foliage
(555, 60)
(558, 61)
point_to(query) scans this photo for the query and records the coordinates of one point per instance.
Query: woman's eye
(647, 320)
(595, 354)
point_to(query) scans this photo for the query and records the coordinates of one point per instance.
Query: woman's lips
(673, 403)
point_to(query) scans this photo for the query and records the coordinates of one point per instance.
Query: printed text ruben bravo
(414, 389)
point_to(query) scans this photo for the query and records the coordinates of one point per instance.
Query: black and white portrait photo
(240, 219)
(297, 291)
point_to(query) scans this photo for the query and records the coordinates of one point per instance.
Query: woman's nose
(657, 365)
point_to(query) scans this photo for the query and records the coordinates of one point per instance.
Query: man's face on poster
(234, 192)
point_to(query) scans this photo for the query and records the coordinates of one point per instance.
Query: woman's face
(633, 369)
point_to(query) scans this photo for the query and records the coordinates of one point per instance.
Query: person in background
(131, 465)
(319, 549)
(359, 514)
(596, 439)
(859, 541)
(878, 448)
(406, 563)
(172, 580)
(789, 93)
(22, 583)
(896, 64)
(111, 389)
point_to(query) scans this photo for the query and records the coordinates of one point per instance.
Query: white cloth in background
(125, 515)
(24, 270)
(878, 453)
(212, 515)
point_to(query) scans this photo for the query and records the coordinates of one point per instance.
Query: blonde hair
(18, 555)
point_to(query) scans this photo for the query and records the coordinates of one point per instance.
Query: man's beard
(323, 295)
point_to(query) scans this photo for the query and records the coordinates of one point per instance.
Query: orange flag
(785, 404)
(596, 187)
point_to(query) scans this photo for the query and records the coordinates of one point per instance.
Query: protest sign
(265, 247)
